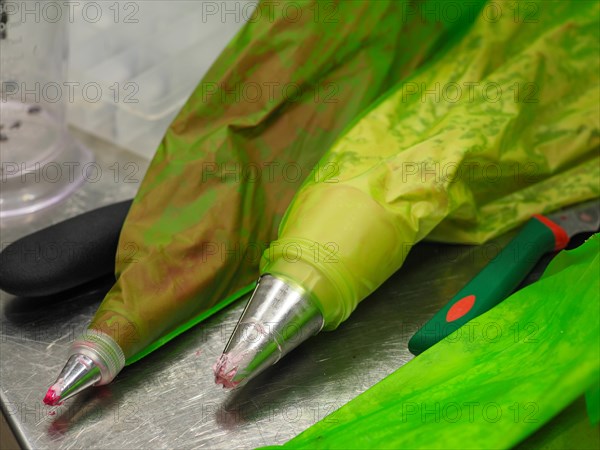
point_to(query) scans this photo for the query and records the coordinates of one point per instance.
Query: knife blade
(499, 278)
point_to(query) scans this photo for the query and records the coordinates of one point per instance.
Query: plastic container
(145, 59)
(40, 162)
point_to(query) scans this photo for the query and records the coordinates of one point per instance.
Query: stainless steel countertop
(169, 399)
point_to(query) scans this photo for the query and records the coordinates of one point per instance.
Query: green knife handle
(494, 283)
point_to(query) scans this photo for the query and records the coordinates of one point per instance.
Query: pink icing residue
(223, 374)
(52, 398)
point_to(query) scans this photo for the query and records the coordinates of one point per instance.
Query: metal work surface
(169, 399)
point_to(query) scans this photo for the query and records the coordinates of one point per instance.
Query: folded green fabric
(541, 353)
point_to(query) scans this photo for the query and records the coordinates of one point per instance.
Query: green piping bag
(461, 170)
(441, 158)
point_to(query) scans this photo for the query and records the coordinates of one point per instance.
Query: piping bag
(230, 163)
(476, 393)
(521, 137)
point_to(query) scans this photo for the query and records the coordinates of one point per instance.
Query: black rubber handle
(65, 255)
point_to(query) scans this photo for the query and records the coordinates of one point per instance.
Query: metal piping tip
(225, 371)
(79, 373)
(277, 319)
(95, 359)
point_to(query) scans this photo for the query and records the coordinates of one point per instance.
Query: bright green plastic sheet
(465, 393)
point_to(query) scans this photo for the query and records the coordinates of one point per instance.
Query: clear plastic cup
(40, 163)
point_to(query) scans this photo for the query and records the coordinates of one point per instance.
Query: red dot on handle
(460, 308)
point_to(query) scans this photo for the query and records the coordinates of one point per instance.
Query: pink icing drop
(51, 398)
(224, 375)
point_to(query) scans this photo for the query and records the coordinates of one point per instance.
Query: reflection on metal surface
(169, 398)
